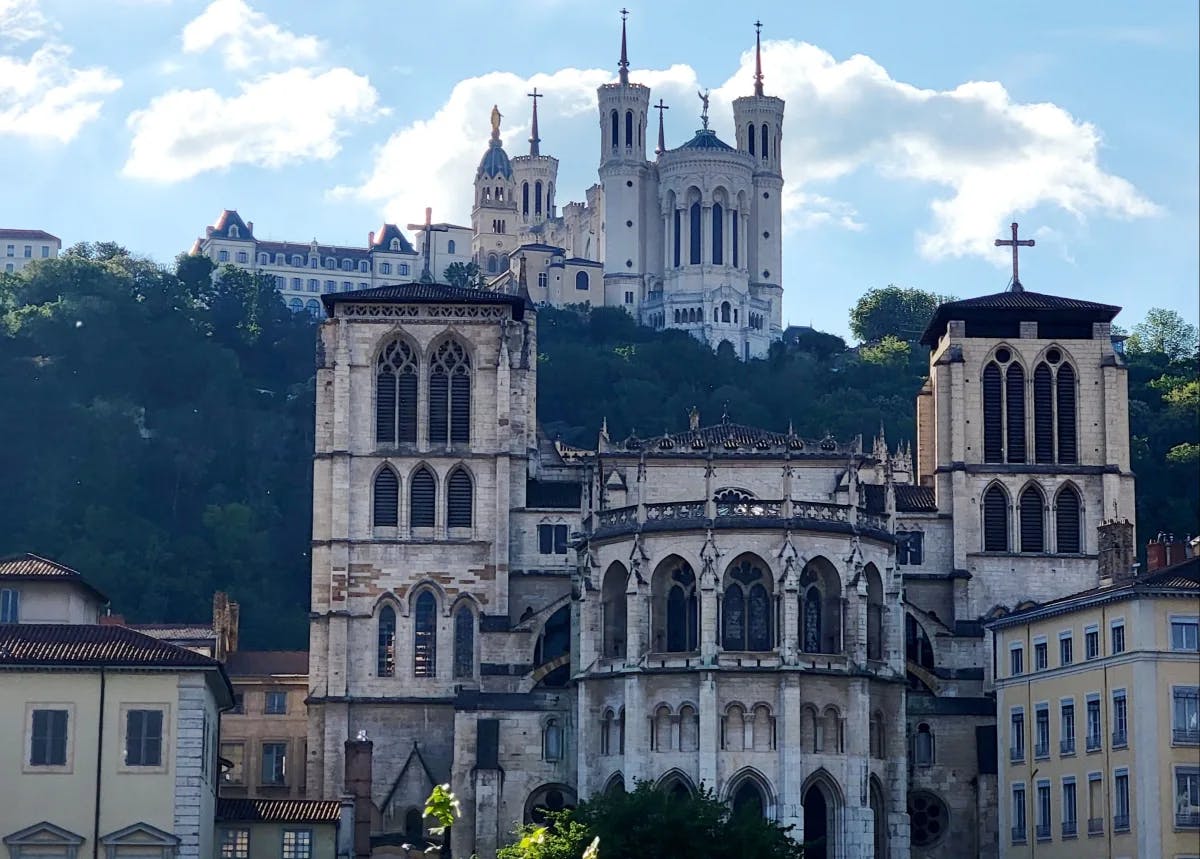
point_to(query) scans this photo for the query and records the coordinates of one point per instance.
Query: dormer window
(395, 244)
(233, 232)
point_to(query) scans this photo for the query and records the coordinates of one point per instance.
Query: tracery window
(422, 491)
(385, 659)
(683, 614)
(396, 395)
(450, 394)
(425, 635)
(1003, 409)
(386, 500)
(459, 499)
(1054, 410)
(464, 642)
(746, 609)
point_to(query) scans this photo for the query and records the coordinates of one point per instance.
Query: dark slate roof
(555, 496)
(28, 234)
(385, 234)
(82, 644)
(706, 138)
(31, 567)
(1019, 305)
(494, 162)
(246, 662)
(732, 437)
(425, 293)
(909, 498)
(278, 810)
(230, 218)
(176, 631)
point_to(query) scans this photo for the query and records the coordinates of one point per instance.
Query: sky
(914, 133)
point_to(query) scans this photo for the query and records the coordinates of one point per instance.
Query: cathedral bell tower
(625, 181)
(758, 119)
(494, 213)
(534, 177)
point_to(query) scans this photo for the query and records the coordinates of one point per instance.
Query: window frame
(1041, 654)
(225, 747)
(296, 851)
(164, 740)
(234, 850)
(1183, 736)
(68, 764)
(10, 605)
(1091, 634)
(1067, 637)
(262, 751)
(1016, 659)
(268, 697)
(1184, 621)
(1113, 626)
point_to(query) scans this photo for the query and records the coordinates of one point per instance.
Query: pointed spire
(623, 65)
(662, 140)
(758, 75)
(534, 139)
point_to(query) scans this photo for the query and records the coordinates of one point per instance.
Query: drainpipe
(99, 762)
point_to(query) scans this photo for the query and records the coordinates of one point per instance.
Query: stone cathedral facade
(796, 623)
(690, 240)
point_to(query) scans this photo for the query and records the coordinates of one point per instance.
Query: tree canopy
(893, 311)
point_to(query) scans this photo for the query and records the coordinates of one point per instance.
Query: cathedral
(691, 240)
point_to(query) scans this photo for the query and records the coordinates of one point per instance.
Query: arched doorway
(818, 812)
(880, 824)
(748, 800)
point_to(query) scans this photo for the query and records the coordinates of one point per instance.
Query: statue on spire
(704, 110)
(496, 122)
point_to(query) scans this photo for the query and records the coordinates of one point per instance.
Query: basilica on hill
(796, 623)
(690, 240)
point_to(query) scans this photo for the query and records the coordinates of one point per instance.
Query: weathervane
(704, 111)
(1015, 243)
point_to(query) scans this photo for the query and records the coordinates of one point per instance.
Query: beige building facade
(18, 248)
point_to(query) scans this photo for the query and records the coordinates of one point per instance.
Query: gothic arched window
(614, 123)
(629, 128)
(385, 655)
(764, 141)
(493, 264)
(676, 315)
(677, 225)
(1065, 380)
(450, 394)
(1014, 406)
(694, 234)
(746, 609)
(748, 801)
(396, 395)
(995, 520)
(1043, 414)
(451, 247)
(537, 197)
(1066, 522)
(1033, 526)
(414, 827)
(733, 223)
(993, 414)
(425, 635)
(386, 499)
(812, 620)
(464, 642)
(718, 234)
(750, 136)
(525, 198)
(1004, 409)
(733, 613)
(725, 311)
(582, 281)
(422, 490)
(923, 746)
(614, 610)
(459, 499)
(552, 741)
(683, 614)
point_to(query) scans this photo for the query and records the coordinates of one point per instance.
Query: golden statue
(495, 121)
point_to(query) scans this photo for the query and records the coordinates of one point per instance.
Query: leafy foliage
(893, 311)
(463, 274)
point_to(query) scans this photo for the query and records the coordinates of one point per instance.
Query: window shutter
(385, 407)
(1032, 522)
(439, 384)
(387, 499)
(1067, 521)
(407, 410)
(993, 415)
(1015, 412)
(995, 520)
(422, 490)
(458, 500)
(1067, 451)
(460, 407)
(1043, 414)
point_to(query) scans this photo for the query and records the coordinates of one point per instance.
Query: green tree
(1163, 332)
(894, 310)
(464, 274)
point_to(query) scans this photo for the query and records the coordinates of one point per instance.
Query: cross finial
(428, 229)
(662, 142)
(758, 75)
(534, 139)
(704, 110)
(1015, 243)
(623, 65)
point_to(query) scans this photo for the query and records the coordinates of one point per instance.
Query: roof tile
(61, 644)
(278, 810)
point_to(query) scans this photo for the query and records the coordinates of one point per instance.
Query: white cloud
(43, 95)
(280, 119)
(974, 155)
(246, 38)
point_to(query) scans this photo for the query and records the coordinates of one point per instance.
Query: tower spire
(623, 65)
(758, 75)
(662, 140)
(534, 139)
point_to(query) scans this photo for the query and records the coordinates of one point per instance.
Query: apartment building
(18, 248)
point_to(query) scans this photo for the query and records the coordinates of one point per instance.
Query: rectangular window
(12, 250)
(1121, 801)
(1041, 748)
(1094, 730)
(28, 251)
(45, 251)
(546, 539)
(276, 703)
(222, 256)
(1066, 740)
(1120, 719)
(385, 268)
(1017, 739)
(235, 844)
(1066, 648)
(280, 282)
(910, 548)
(314, 285)
(1185, 634)
(239, 704)
(347, 286)
(297, 284)
(1185, 715)
(10, 605)
(560, 539)
(274, 763)
(1043, 811)
(1095, 804)
(628, 297)
(1118, 637)
(48, 743)
(1016, 656)
(241, 257)
(1091, 642)
(1187, 797)
(1041, 659)
(1069, 820)
(297, 844)
(1018, 814)
(143, 738)
(402, 267)
(331, 286)
(235, 753)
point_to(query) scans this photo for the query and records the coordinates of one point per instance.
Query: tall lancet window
(1004, 409)
(812, 620)
(734, 224)
(450, 395)
(995, 520)
(629, 128)
(464, 642)
(386, 499)
(537, 197)
(614, 123)
(718, 234)
(385, 659)
(1033, 528)
(425, 635)
(694, 234)
(683, 616)
(1066, 522)
(750, 130)
(764, 141)
(396, 395)
(525, 198)
(678, 238)
(1067, 451)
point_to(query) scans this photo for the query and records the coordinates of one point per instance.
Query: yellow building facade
(1098, 712)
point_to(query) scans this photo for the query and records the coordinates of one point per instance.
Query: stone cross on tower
(534, 140)
(704, 110)
(1015, 244)
(427, 245)
(758, 75)
(662, 141)
(623, 65)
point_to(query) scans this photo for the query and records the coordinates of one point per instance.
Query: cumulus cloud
(279, 119)
(246, 38)
(977, 157)
(42, 96)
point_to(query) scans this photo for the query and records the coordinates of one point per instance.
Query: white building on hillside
(21, 247)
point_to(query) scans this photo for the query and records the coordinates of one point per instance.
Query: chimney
(1115, 540)
(371, 239)
(250, 227)
(358, 784)
(1156, 552)
(1176, 551)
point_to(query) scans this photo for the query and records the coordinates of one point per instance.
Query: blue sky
(914, 132)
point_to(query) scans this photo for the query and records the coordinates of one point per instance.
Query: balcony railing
(1042, 750)
(1120, 822)
(1187, 819)
(1018, 835)
(1069, 829)
(1120, 738)
(1016, 756)
(1066, 747)
(1095, 826)
(1185, 736)
(1043, 832)
(1093, 743)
